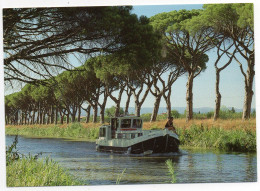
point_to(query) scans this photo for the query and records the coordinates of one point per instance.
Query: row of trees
(133, 56)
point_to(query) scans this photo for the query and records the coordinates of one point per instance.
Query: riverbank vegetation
(41, 172)
(30, 171)
(229, 135)
(79, 131)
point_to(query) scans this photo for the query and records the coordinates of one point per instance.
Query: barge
(126, 135)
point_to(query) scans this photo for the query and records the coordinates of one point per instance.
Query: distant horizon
(181, 110)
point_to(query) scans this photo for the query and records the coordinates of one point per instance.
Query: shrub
(175, 114)
(146, 116)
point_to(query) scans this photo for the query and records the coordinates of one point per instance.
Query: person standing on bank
(169, 125)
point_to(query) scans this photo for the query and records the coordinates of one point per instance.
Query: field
(229, 135)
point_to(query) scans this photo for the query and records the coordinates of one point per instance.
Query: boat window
(126, 123)
(102, 132)
(137, 123)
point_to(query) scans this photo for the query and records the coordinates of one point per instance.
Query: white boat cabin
(127, 127)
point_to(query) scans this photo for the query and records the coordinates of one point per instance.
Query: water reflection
(191, 166)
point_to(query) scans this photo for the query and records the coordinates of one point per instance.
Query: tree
(118, 71)
(184, 46)
(236, 22)
(137, 86)
(173, 73)
(110, 112)
(220, 53)
(37, 41)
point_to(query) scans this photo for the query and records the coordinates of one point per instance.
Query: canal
(191, 165)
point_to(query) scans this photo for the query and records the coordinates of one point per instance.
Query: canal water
(191, 166)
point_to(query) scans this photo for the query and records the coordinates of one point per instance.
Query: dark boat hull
(161, 144)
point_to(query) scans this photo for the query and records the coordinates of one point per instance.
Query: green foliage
(146, 116)
(74, 130)
(170, 167)
(110, 112)
(24, 170)
(44, 172)
(223, 16)
(246, 15)
(175, 114)
(173, 26)
(11, 153)
(229, 140)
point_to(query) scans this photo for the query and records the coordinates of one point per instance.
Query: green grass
(28, 170)
(214, 137)
(72, 131)
(44, 172)
(171, 171)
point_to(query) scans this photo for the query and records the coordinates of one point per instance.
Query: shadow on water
(96, 168)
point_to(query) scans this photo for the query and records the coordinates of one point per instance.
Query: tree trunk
(218, 96)
(168, 102)
(79, 112)
(127, 103)
(156, 107)
(102, 115)
(189, 97)
(117, 100)
(56, 116)
(43, 117)
(117, 111)
(95, 110)
(40, 116)
(102, 108)
(6, 119)
(25, 117)
(29, 118)
(73, 117)
(248, 91)
(138, 104)
(22, 118)
(88, 113)
(33, 117)
(52, 114)
(68, 118)
(16, 118)
(61, 117)
(138, 110)
(49, 116)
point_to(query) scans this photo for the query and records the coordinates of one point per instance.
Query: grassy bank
(30, 171)
(78, 131)
(44, 172)
(230, 135)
